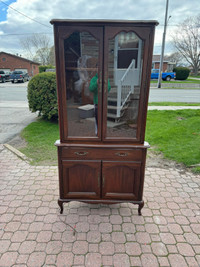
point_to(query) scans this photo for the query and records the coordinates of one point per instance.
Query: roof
(25, 59)
(156, 58)
(103, 21)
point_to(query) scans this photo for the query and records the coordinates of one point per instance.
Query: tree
(186, 40)
(175, 58)
(38, 48)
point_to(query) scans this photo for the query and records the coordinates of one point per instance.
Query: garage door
(6, 70)
(24, 70)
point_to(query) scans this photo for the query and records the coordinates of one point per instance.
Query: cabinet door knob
(121, 154)
(81, 153)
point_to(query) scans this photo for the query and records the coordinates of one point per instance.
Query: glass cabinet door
(82, 63)
(123, 69)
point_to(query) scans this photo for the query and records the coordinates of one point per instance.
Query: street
(14, 111)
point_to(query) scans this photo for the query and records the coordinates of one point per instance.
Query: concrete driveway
(14, 111)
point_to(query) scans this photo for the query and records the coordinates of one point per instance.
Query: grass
(175, 133)
(178, 81)
(40, 137)
(173, 104)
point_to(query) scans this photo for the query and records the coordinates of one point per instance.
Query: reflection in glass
(124, 74)
(81, 65)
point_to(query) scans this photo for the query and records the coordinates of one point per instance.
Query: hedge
(43, 68)
(42, 95)
(182, 73)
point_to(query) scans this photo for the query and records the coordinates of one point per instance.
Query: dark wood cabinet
(103, 76)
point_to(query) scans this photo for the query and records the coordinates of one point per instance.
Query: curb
(17, 152)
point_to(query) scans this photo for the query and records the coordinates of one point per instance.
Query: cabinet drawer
(102, 154)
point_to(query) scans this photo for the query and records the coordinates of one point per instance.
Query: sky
(21, 18)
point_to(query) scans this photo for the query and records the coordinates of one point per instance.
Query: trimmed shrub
(43, 68)
(42, 95)
(182, 73)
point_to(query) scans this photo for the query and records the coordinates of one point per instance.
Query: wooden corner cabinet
(103, 76)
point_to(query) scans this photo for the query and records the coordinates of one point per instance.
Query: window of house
(3, 59)
(129, 45)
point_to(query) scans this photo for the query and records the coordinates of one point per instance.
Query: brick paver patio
(33, 233)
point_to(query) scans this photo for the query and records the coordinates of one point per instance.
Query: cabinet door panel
(120, 180)
(82, 79)
(81, 179)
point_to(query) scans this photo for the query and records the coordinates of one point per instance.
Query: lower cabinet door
(80, 179)
(120, 180)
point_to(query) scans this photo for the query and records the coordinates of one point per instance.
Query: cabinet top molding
(104, 22)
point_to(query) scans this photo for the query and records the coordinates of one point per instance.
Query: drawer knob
(121, 154)
(81, 153)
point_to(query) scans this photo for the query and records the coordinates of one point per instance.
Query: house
(167, 65)
(9, 62)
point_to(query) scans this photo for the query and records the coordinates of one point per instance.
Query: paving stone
(80, 247)
(106, 248)
(54, 247)
(159, 249)
(93, 260)
(19, 236)
(120, 248)
(120, 260)
(4, 245)
(44, 236)
(115, 219)
(143, 238)
(107, 260)
(8, 259)
(27, 247)
(149, 260)
(128, 228)
(167, 238)
(177, 260)
(36, 259)
(185, 249)
(118, 237)
(105, 227)
(65, 259)
(33, 233)
(133, 249)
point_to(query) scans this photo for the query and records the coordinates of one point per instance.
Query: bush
(43, 68)
(42, 95)
(182, 73)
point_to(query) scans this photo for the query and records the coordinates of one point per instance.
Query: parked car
(166, 76)
(4, 77)
(19, 76)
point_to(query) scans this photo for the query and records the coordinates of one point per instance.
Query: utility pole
(163, 46)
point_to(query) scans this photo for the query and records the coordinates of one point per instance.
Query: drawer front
(101, 154)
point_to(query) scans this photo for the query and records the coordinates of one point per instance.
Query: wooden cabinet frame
(107, 167)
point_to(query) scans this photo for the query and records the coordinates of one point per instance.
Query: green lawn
(41, 136)
(175, 133)
(177, 81)
(172, 104)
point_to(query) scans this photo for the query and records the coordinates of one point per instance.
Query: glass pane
(81, 69)
(124, 74)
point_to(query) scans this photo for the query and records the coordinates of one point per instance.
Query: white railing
(125, 87)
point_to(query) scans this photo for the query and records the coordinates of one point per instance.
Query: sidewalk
(33, 233)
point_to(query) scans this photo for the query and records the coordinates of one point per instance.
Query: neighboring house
(167, 65)
(9, 62)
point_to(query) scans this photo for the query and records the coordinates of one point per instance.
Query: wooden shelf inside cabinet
(103, 75)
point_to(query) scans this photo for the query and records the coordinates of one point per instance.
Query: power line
(18, 34)
(24, 15)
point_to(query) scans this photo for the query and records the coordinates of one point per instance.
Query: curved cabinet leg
(60, 203)
(141, 205)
